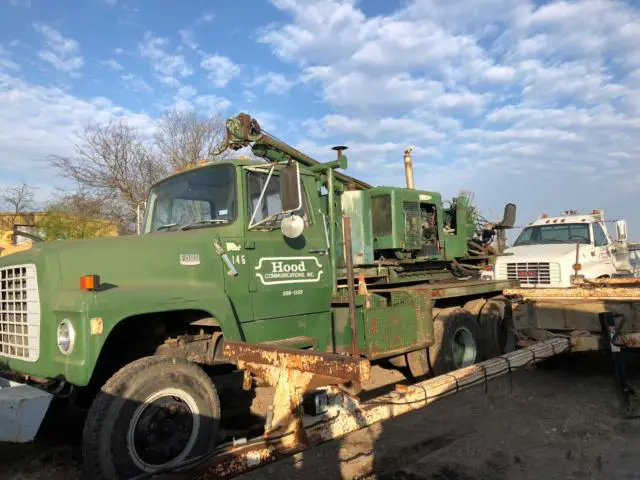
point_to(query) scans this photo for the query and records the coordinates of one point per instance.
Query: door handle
(318, 251)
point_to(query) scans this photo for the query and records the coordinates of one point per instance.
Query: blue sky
(532, 102)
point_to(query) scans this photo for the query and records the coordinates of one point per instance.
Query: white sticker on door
(279, 270)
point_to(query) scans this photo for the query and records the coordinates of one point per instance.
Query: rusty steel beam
(593, 342)
(606, 281)
(308, 361)
(346, 414)
(591, 293)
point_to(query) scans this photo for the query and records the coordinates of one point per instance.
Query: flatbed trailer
(577, 312)
(592, 315)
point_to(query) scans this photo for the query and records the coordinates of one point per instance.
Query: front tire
(152, 415)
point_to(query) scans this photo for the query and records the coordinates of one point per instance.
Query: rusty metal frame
(292, 373)
(453, 289)
(592, 293)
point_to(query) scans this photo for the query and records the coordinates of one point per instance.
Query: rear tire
(152, 415)
(496, 328)
(457, 338)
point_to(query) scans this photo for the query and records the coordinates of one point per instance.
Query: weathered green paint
(357, 206)
(284, 288)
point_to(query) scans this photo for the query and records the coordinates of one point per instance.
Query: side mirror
(621, 230)
(290, 193)
(509, 218)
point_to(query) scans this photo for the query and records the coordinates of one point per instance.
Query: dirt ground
(557, 421)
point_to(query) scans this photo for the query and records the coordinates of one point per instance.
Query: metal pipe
(351, 294)
(408, 167)
(307, 161)
(331, 198)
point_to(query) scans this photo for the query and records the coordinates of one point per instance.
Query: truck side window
(599, 237)
(271, 204)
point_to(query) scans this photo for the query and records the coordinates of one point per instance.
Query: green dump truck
(287, 252)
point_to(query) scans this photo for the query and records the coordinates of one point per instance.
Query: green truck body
(213, 264)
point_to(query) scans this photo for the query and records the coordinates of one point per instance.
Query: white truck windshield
(556, 233)
(202, 197)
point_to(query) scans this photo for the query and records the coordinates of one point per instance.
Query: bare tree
(186, 137)
(15, 201)
(115, 163)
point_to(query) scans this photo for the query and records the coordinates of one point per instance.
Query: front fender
(117, 304)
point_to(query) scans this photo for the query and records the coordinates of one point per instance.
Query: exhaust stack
(408, 167)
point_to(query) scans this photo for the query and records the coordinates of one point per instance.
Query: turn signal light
(577, 267)
(89, 282)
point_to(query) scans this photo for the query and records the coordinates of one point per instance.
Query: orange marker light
(90, 282)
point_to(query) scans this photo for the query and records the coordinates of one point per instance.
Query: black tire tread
(112, 388)
(442, 324)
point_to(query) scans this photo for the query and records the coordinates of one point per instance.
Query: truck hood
(125, 260)
(542, 252)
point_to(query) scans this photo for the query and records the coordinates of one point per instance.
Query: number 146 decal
(239, 259)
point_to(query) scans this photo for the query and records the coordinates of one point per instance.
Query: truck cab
(550, 251)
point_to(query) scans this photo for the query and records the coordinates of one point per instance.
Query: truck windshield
(200, 198)
(548, 234)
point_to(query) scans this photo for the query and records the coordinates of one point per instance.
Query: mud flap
(22, 409)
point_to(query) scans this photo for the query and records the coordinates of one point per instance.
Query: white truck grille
(19, 313)
(534, 273)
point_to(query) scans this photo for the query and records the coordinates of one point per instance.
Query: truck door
(289, 277)
(604, 256)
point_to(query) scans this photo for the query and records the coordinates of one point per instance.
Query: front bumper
(22, 409)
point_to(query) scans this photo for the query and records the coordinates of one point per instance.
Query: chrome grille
(19, 313)
(534, 273)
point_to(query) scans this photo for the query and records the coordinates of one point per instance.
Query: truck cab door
(603, 250)
(289, 276)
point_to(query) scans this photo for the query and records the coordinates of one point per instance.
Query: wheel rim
(464, 348)
(163, 429)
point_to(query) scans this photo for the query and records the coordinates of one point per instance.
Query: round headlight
(66, 336)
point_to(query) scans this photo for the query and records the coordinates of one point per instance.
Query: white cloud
(248, 96)
(61, 52)
(6, 63)
(387, 127)
(164, 63)
(169, 81)
(135, 83)
(38, 121)
(188, 39)
(206, 17)
(186, 91)
(212, 104)
(221, 69)
(499, 74)
(274, 83)
(111, 63)
(535, 102)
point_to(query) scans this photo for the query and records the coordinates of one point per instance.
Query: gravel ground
(558, 421)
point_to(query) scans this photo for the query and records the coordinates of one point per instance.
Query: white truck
(551, 250)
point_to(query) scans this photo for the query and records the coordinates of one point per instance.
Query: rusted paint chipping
(595, 293)
(607, 281)
(347, 414)
(332, 365)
